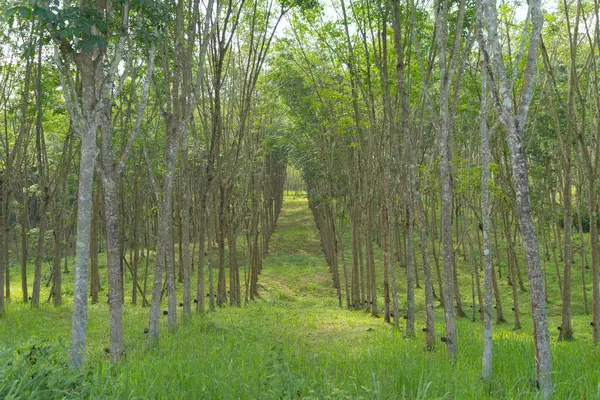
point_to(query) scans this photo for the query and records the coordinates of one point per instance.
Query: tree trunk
(234, 277)
(164, 247)
(185, 231)
(511, 274)
(39, 255)
(566, 328)
(24, 244)
(387, 259)
(84, 215)
(488, 268)
(3, 246)
(44, 197)
(221, 283)
(200, 285)
(56, 271)
(583, 250)
(95, 281)
(113, 257)
(410, 268)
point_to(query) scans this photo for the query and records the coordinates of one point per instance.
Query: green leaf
(89, 44)
(24, 11)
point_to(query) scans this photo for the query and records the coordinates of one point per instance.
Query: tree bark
(24, 244)
(84, 207)
(488, 268)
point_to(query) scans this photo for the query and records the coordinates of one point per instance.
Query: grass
(295, 342)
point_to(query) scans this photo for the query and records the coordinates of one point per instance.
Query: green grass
(294, 342)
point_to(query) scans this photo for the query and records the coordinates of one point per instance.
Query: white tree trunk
(84, 217)
(486, 370)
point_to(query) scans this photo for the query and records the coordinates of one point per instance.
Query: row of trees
(143, 119)
(384, 97)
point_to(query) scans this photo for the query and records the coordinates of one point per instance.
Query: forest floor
(294, 342)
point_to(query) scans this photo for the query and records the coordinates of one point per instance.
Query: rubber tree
(513, 119)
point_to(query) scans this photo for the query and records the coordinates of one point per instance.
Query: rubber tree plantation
(307, 199)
